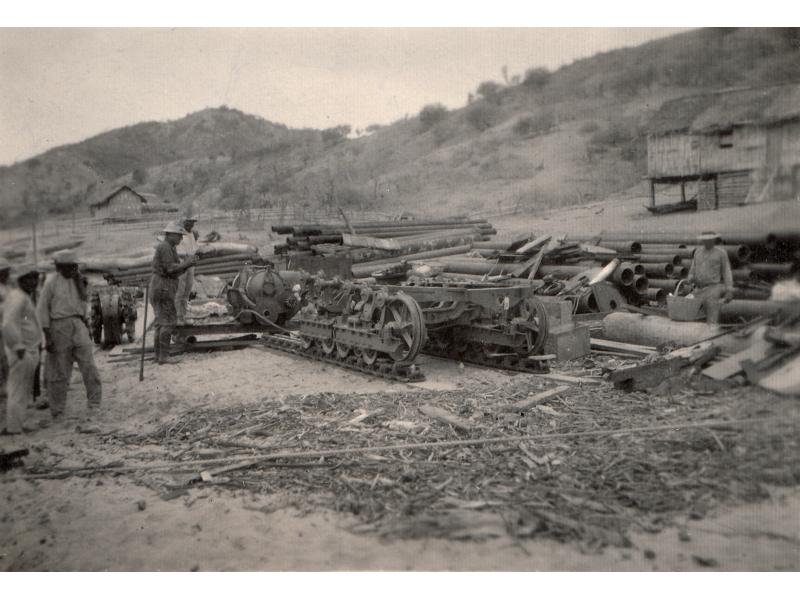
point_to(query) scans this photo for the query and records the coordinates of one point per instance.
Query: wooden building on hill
(740, 146)
(126, 204)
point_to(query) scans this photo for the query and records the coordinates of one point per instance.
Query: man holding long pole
(167, 268)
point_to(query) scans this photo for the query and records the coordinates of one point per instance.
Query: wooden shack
(126, 204)
(738, 146)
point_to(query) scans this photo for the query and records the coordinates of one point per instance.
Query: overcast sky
(63, 85)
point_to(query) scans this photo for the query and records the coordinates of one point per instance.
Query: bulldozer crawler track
(380, 368)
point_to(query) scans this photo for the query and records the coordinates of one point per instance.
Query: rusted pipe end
(640, 284)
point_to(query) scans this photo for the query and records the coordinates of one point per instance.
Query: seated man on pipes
(711, 275)
(167, 268)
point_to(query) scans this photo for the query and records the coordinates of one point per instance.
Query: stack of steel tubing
(411, 240)
(758, 260)
(308, 236)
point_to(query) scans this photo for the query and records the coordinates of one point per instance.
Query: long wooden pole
(144, 330)
(243, 461)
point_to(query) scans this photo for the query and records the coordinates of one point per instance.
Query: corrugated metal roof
(715, 111)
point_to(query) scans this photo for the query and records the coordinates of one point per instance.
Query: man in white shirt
(22, 337)
(186, 249)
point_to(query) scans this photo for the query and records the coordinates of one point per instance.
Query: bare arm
(727, 274)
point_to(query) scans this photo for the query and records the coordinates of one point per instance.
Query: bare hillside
(538, 139)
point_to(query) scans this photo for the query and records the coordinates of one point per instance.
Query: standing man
(167, 267)
(23, 338)
(5, 272)
(187, 248)
(711, 275)
(62, 315)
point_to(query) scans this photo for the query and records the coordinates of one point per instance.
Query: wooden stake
(144, 330)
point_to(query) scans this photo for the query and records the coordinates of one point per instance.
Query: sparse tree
(490, 90)
(430, 115)
(537, 78)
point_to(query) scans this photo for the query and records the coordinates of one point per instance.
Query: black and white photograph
(391, 299)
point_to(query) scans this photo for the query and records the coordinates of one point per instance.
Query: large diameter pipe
(659, 258)
(478, 268)
(656, 295)
(662, 270)
(625, 247)
(750, 309)
(747, 238)
(623, 274)
(771, 268)
(654, 330)
(640, 284)
(667, 285)
(605, 272)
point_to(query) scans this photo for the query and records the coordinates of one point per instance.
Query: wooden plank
(531, 265)
(446, 417)
(785, 379)
(570, 378)
(537, 399)
(363, 241)
(597, 344)
(758, 350)
(642, 377)
(533, 245)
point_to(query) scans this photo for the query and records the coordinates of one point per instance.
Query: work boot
(157, 344)
(165, 340)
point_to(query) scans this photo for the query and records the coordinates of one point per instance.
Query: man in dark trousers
(167, 268)
(62, 315)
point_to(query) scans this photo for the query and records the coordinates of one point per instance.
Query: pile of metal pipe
(758, 259)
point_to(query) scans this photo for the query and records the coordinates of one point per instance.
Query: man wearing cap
(187, 248)
(711, 275)
(62, 315)
(22, 338)
(167, 268)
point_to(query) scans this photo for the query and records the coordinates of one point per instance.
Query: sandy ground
(116, 523)
(97, 523)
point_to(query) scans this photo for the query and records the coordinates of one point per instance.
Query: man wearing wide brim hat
(22, 339)
(62, 310)
(711, 275)
(167, 268)
(186, 248)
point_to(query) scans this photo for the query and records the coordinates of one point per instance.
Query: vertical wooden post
(35, 252)
(683, 191)
(652, 193)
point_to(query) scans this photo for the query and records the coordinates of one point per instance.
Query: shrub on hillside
(533, 125)
(490, 90)
(627, 138)
(536, 78)
(430, 115)
(481, 116)
(335, 135)
(629, 81)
